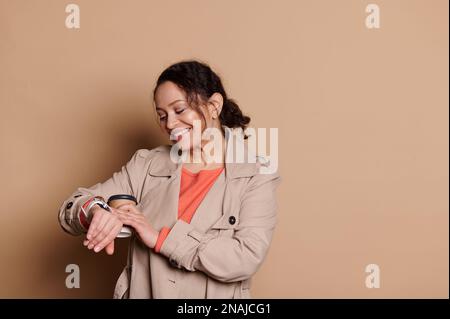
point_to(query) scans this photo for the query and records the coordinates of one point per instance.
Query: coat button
(69, 204)
(232, 220)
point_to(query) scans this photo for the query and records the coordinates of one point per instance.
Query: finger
(110, 248)
(123, 215)
(133, 215)
(98, 221)
(122, 212)
(130, 208)
(126, 207)
(102, 233)
(105, 239)
(109, 238)
(128, 220)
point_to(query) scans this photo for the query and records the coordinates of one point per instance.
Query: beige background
(362, 116)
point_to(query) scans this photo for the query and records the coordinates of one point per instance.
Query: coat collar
(162, 165)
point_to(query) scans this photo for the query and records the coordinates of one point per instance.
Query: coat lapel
(161, 202)
(210, 208)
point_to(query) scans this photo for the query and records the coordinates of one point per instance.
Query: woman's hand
(104, 228)
(130, 215)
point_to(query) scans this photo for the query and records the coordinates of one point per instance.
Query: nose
(171, 122)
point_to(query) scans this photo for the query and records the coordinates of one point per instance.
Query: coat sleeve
(235, 258)
(128, 180)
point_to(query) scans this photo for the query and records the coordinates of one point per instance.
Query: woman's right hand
(103, 229)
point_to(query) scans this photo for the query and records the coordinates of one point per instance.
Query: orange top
(193, 188)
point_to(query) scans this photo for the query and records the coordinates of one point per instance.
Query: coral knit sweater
(193, 188)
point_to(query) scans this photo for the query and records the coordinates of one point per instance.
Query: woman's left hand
(131, 216)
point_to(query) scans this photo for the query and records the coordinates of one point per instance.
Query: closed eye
(163, 117)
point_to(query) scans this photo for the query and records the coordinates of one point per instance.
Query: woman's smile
(177, 133)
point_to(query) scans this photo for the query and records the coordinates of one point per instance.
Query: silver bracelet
(95, 201)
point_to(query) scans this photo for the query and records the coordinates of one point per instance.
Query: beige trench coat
(215, 255)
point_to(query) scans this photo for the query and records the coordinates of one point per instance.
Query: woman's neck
(201, 160)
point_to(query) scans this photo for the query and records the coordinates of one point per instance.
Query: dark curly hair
(198, 79)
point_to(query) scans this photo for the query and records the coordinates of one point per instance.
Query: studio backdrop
(358, 91)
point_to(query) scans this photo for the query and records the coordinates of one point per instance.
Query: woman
(202, 227)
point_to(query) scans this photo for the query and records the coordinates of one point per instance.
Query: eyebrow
(173, 102)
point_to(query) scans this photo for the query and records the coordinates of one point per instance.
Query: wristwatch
(95, 201)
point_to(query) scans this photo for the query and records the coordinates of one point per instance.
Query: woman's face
(177, 118)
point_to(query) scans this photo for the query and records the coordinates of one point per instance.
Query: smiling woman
(190, 91)
(201, 229)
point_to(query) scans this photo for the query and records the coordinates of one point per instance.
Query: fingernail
(90, 246)
(86, 242)
(96, 249)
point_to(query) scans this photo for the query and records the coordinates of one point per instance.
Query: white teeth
(177, 132)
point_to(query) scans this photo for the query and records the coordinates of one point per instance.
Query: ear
(215, 103)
